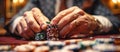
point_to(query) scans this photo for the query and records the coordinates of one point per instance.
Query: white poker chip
(90, 50)
(86, 43)
(71, 47)
(24, 48)
(5, 47)
(104, 47)
(37, 43)
(55, 43)
(42, 49)
(72, 41)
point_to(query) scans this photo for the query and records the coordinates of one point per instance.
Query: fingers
(27, 34)
(60, 15)
(38, 15)
(19, 28)
(83, 28)
(40, 18)
(72, 25)
(68, 18)
(20, 31)
(31, 21)
(23, 24)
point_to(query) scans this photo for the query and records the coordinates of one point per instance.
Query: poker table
(12, 41)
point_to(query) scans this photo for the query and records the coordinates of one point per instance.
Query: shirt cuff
(106, 25)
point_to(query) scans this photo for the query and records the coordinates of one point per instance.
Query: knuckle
(76, 7)
(31, 22)
(25, 13)
(35, 9)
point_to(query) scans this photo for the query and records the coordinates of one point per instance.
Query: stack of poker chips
(51, 33)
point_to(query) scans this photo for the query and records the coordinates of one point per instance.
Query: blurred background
(8, 8)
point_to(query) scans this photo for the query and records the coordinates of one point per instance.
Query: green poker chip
(40, 36)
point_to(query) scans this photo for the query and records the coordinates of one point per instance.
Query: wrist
(98, 27)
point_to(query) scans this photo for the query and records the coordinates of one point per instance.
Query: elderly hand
(32, 22)
(74, 21)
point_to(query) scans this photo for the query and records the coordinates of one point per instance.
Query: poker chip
(55, 45)
(105, 40)
(24, 48)
(72, 47)
(42, 49)
(105, 47)
(40, 36)
(5, 47)
(37, 43)
(85, 44)
(72, 41)
(55, 51)
(90, 50)
(61, 51)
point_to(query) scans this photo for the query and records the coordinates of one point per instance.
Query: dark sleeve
(29, 6)
(100, 9)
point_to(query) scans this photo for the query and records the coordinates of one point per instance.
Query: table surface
(11, 40)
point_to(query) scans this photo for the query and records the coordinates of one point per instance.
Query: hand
(73, 21)
(32, 22)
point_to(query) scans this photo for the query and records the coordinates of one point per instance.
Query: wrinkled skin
(71, 22)
(74, 21)
(33, 21)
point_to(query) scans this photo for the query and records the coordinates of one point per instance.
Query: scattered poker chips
(24, 48)
(72, 41)
(105, 47)
(90, 50)
(104, 40)
(38, 43)
(42, 49)
(5, 47)
(86, 44)
(74, 45)
(55, 45)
